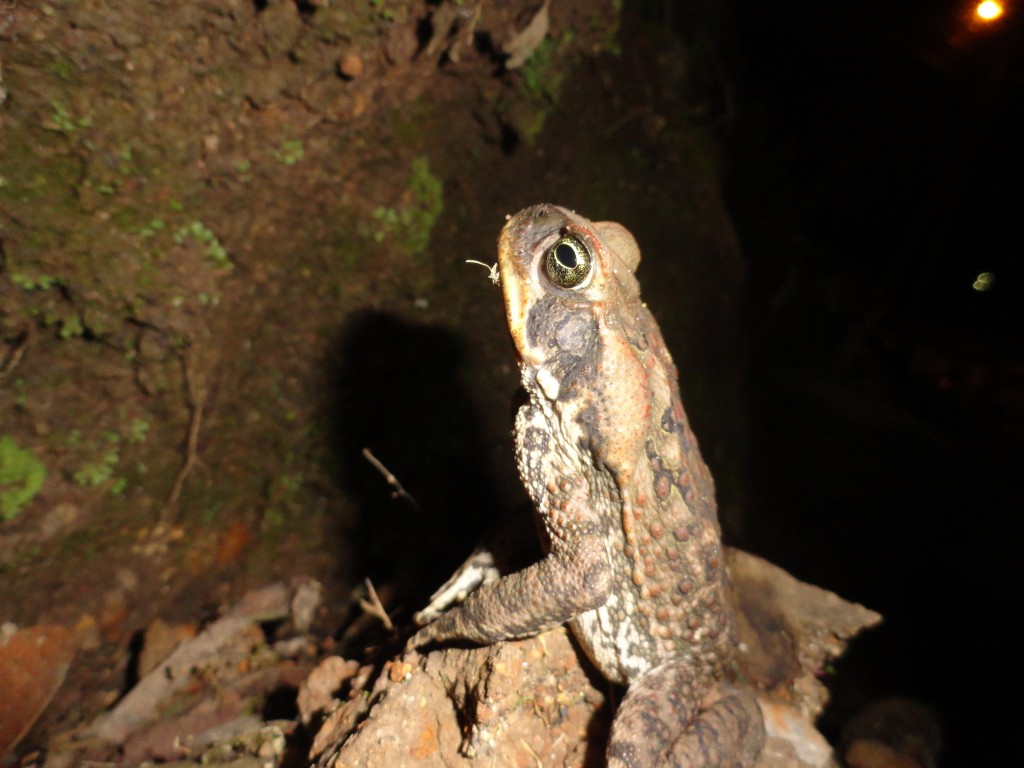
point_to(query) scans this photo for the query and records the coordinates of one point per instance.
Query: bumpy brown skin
(634, 560)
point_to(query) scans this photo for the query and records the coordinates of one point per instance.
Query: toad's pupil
(567, 256)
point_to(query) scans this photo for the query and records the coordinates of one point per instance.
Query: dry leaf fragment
(524, 43)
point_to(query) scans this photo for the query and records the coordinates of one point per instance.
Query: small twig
(391, 479)
(626, 118)
(15, 356)
(492, 270)
(536, 757)
(374, 607)
(196, 401)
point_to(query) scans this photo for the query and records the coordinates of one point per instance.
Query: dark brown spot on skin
(668, 421)
(572, 338)
(686, 586)
(681, 534)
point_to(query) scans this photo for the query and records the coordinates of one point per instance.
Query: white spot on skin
(548, 383)
(612, 638)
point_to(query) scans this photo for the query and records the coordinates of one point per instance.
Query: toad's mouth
(515, 312)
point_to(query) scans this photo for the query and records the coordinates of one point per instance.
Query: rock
(502, 705)
(306, 600)
(159, 641)
(319, 690)
(351, 66)
(535, 702)
(894, 732)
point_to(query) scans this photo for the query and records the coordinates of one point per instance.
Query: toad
(633, 557)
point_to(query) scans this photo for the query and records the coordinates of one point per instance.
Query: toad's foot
(664, 722)
(479, 569)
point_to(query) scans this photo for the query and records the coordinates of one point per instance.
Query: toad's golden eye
(569, 262)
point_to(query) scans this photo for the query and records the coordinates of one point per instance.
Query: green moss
(137, 430)
(61, 118)
(38, 283)
(150, 229)
(20, 392)
(291, 151)
(202, 234)
(283, 503)
(62, 68)
(385, 13)
(410, 226)
(546, 69)
(62, 121)
(70, 327)
(94, 473)
(540, 85)
(101, 468)
(541, 80)
(21, 477)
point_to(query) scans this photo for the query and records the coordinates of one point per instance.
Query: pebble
(350, 66)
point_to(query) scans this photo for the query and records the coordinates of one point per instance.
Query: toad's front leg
(574, 577)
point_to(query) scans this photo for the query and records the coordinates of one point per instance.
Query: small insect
(492, 270)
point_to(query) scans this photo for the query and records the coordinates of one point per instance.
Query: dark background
(876, 169)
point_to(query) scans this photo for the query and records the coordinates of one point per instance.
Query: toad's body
(634, 560)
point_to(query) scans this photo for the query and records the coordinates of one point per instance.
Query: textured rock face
(533, 702)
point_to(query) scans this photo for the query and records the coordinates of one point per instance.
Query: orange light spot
(988, 11)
